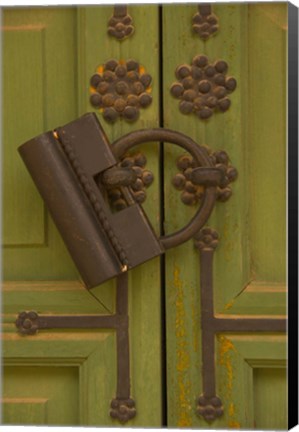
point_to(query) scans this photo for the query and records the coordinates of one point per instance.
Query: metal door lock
(75, 168)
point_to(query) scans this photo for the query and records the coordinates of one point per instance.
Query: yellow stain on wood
(234, 424)
(226, 348)
(231, 409)
(229, 305)
(182, 354)
(225, 360)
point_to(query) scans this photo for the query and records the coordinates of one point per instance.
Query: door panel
(60, 48)
(55, 51)
(37, 97)
(249, 262)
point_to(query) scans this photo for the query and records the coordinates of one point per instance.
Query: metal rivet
(186, 107)
(96, 100)
(219, 79)
(131, 113)
(224, 104)
(200, 60)
(204, 86)
(177, 89)
(95, 80)
(221, 66)
(145, 99)
(182, 71)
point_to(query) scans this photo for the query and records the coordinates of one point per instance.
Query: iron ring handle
(126, 142)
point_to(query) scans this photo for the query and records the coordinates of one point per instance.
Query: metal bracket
(122, 406)
(209, 405)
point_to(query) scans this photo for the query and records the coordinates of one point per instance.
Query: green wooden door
(68, 377)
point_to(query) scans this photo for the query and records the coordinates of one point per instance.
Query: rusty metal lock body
(67, 167)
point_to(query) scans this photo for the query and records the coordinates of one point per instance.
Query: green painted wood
(86, 357)
(267, 156)
(249, 269)
(52, 399)
(241, 361)
(23, 207)
(182, 294)
(50, 83)
(95, 47)
(25, 411)
(239, 288)
(270, 398)
(45, 278)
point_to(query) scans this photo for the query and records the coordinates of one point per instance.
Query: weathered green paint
(57, 50)
(239, 359)
(60, 49)
(250, 259)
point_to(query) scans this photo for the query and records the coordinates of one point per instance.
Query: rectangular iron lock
(71, 167)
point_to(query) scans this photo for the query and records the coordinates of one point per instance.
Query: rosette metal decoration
(203, 87)
(119, 89)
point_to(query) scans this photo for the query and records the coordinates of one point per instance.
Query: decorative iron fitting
(204, 22)
(206, 239)
(192, 179)
(123, 409)
(209, 408)
(142, 178)
(27, 323)
(120, 24)
(119, 89)
(203, 87)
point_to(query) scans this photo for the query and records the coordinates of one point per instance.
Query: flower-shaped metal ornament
(205, 22)
(120, 24)
(203, 87)
(187, 182)
(119, 89)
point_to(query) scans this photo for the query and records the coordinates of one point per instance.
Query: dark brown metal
(68, 174)
(120, 24)
(29, 323)
(191, 179)
(199, 153)
(119, 89)
(209, 405)
(203, 87)
(136, 162)
(123, 406)
(205, 22)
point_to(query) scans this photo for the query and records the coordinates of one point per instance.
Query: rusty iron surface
(191, 179)
(205, 22)
(209, 404)
(69, 178)
(119, 89)
(120, 25)
(203, 87)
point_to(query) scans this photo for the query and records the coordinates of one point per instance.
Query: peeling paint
(182, 354)
(231, 409)
(234, 424)
(225, 360)
(226, 349)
